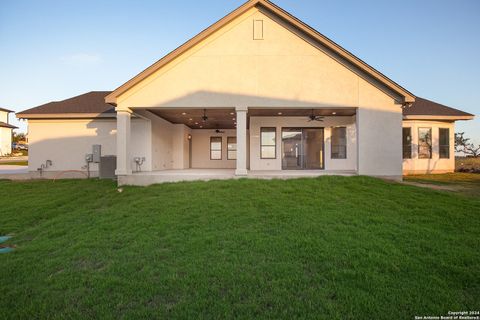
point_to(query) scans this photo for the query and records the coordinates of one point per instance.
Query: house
(5, 132)
(258, 93)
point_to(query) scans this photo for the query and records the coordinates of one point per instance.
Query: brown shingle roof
(88, 103)
(424, 107)
(93, 103)
(5, 110)
(7, 125)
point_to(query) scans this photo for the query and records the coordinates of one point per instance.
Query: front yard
(332, 248)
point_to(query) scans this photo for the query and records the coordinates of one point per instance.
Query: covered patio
(178, 144)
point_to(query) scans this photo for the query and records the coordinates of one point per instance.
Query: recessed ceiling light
(232, 113)
(334, 113)
(280, 113)
(234, 123)
(184, 113)
(196, 122)
(190, 119)
(233, 119)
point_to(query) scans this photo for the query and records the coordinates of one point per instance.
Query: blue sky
(53, 49)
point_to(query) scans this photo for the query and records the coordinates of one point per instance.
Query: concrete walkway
(7, 169)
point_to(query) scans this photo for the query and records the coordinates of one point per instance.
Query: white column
(124, 166)
(241, 141)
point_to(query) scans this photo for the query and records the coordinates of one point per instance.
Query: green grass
(15, 163)
(466, 183)
(326, 248)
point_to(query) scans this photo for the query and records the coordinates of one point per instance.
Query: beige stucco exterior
(240, 68)
(5, 141)
(5, 135)
(435, 164)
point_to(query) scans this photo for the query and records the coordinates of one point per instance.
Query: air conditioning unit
(107, 167)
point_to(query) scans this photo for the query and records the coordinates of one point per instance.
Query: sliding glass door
(302, 149)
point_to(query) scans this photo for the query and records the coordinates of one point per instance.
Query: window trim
(221, 148)
(274, 130)
(331, 143)
(228, 150)
(411, 144)
(431, 143)
(440, 145)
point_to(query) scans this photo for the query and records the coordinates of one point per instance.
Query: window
(232, 148)
(444, 138)
(215, 148)
(268, 143)
(339, 143)
(424, 143)
(407, 143)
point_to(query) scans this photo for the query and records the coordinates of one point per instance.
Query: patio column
(241, 141)
(124, 166)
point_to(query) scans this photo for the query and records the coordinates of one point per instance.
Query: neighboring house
(258, 91)
(5, 133)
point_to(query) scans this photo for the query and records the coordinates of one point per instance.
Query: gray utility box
(97, 153)
(107, 167)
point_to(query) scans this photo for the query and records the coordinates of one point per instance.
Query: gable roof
(87, 105)
(7, 125)
(348, 56)
(423, 109)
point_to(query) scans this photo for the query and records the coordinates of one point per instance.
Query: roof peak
(311, 33)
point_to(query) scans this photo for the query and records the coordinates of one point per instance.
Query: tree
(17, 137)
(464, 145)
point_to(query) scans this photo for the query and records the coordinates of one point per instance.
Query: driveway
(6, 169)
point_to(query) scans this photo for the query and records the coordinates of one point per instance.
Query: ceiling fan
(204, 118)
(313, 117)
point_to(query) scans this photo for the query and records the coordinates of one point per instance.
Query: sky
(55, 49)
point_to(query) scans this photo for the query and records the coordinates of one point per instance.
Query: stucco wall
(256, 123)
(5, 141)
(379, 126)
(66, 142)
(435, 164)
(3, 116)
(201, 150)
(167, 144)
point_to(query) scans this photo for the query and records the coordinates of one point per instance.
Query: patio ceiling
(226, 118)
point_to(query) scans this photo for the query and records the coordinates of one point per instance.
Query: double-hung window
(407, 143)
(215, 148)
(339, 143)
(268, 143)
(232, 148)
(444, 141)
(424, 143)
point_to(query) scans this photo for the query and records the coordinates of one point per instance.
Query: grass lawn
(325, 248)
(467, 183)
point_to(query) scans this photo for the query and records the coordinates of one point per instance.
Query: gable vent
(257, 29)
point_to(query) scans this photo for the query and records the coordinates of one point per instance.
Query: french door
(302, 148)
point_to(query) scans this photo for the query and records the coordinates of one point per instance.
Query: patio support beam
(241, 141)
(124, 166)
